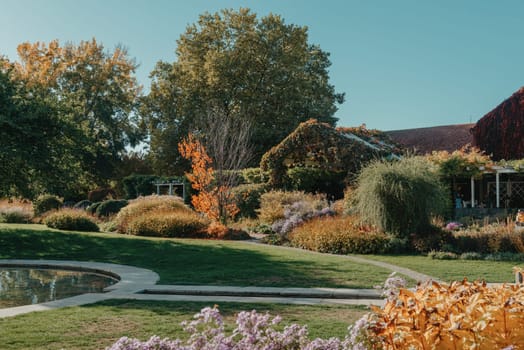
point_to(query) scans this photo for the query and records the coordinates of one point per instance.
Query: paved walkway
(140, 284)
(417, 276)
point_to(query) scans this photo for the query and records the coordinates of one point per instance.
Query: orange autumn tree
(214, 201)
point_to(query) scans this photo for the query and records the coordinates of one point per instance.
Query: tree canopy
(79, 100)
(258, 69)
(37, 146)
(93, 88)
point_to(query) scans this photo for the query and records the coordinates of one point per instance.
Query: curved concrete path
(140, 284)
(417, 276)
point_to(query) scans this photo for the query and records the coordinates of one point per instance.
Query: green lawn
(184, 261)
(453, 270)
(99, 325)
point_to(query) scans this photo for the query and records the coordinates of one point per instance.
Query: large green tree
(93, 88)
(38, 151)
(258, 69)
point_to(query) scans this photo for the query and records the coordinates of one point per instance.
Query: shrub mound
(83, 204)
(168, 223)
(162, 216)
(494, 238)
(338, 235)
(45, 203)
(110, 207)
(71, 220)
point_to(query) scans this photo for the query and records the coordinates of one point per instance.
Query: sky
(402, 64)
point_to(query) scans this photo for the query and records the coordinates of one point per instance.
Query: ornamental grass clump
(338, 235)
(71, 220)
(400, 197)
(143, 205)
(168, 223)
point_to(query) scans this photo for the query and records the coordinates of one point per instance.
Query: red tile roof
(438, 138)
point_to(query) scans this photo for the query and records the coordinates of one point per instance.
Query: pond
(25, 286)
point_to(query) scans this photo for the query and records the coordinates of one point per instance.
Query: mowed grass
(99, 325)
(454, 270)
(185, 261)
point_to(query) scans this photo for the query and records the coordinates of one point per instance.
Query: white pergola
(498, 170)
(171, 186)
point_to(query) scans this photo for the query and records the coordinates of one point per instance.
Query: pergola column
(472, 192)
(497, 186)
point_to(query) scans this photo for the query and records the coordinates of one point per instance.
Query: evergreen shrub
(317, 180)
(91, 209)
(45, 203)
(110, 207)
(247, 199)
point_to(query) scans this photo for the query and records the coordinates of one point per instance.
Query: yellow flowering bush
(461, 315)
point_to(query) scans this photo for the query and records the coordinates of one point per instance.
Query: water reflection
(23, 286)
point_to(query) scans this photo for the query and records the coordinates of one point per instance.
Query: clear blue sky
(402, 64)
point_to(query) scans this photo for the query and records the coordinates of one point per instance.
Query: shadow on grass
(181, 261)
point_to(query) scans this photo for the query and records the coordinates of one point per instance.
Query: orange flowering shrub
(216, 202)
(461, 315)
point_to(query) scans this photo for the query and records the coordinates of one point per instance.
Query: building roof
(437, 138)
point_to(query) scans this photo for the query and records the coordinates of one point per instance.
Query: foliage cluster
(319, 145)
(71, 220)
(466, 162)
(70, 117)
(316, 180)
(15, 211)
(45, 203)
(338, 235)
(247, 198)
(138, 185)
(400, 197)
(260, 69)
(101, 194)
